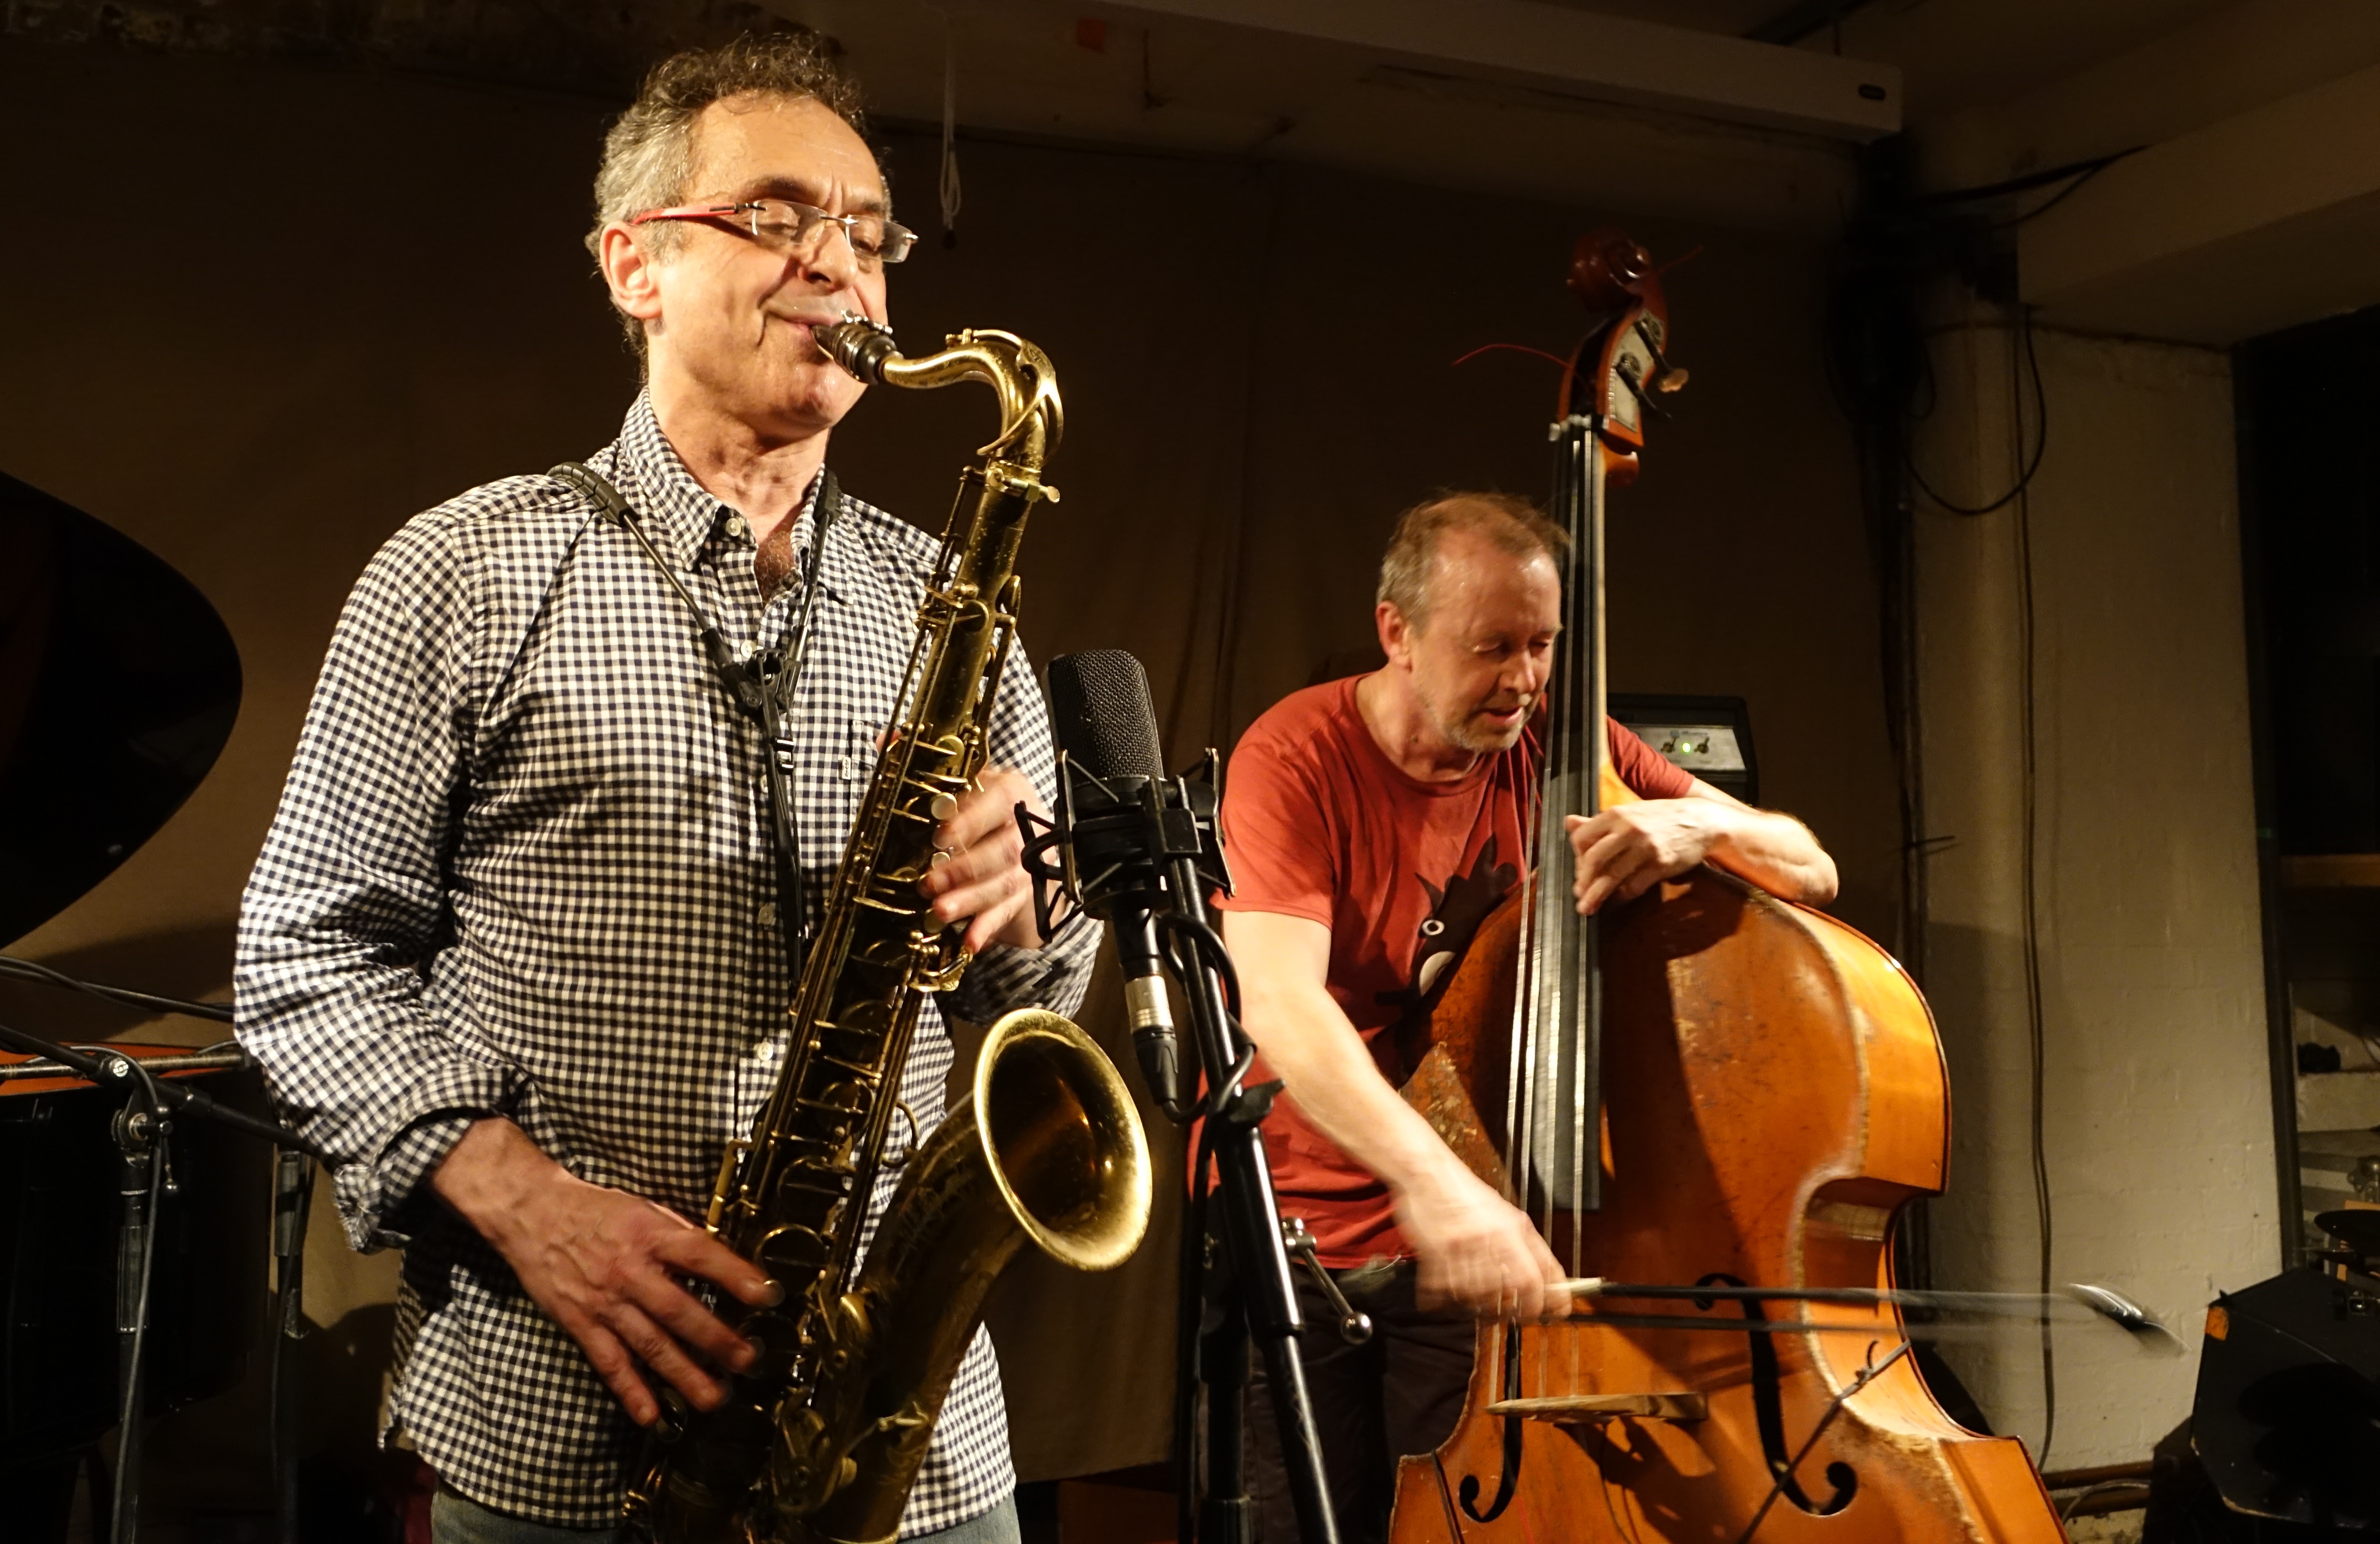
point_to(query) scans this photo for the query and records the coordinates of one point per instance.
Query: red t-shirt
(1318, 823)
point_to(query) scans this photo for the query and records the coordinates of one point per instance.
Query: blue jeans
(454, 1520)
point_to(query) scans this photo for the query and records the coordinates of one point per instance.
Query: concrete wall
(2156, 1107)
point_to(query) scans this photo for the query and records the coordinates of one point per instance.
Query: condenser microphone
(1116, 776)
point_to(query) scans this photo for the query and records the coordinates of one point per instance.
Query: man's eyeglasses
(783, 225)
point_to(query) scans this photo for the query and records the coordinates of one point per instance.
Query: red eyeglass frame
(728, 212)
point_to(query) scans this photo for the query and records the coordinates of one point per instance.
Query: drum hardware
(141, 1131)
(197, 1061)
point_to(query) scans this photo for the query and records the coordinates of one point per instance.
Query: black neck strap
(765, 700)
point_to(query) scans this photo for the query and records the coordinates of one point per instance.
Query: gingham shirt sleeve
(1056, 976)
(347, 907)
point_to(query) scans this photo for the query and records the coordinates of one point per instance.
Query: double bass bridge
(1580, 1409)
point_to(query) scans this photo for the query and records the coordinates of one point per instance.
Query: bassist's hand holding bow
(1472, 1247)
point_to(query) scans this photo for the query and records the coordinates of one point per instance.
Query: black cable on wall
(1881, 367)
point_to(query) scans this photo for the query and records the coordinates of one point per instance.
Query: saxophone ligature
(819, 1441)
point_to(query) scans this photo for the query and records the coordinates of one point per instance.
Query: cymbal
(2357, 1229)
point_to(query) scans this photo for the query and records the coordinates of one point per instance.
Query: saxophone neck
(1032, 414)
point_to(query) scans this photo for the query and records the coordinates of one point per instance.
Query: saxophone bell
(1047, 1148)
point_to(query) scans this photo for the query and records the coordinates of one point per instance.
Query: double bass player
(1373, 822)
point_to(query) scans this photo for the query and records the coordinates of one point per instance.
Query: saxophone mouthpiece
(860, 344)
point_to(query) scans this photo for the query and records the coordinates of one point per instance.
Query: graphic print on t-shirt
(1455, 913)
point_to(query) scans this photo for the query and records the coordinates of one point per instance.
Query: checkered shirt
(523, 866)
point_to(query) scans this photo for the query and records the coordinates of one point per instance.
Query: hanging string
(950, 179)
(1516, 348)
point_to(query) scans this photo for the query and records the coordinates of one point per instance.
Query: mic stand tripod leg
(138, 1132)
(292, 1191)
(1263, 1299)
(1224, 1516)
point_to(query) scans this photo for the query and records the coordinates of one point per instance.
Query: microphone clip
(1145, 823)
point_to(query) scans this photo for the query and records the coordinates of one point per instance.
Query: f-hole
(1768, 1410)
(1468, 1492)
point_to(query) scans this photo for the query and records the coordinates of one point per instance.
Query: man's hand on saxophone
(984, 878)
(603, 1263)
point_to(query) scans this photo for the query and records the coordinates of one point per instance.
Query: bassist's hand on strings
(605, 1264)
(1628, 849)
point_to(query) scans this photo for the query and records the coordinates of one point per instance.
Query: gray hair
(1514, 525)
(649, 152)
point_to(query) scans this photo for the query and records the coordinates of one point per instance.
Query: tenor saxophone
(819, 1439)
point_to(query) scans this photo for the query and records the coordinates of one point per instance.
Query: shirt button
(737, 529)
(768, 913)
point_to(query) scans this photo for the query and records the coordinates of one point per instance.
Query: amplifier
(1710, 737)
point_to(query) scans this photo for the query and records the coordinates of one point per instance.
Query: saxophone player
(516, 948)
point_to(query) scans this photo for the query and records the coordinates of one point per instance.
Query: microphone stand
(1240, 1272)
(141, 1130)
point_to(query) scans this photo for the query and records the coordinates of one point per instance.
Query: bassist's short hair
(1512, 523)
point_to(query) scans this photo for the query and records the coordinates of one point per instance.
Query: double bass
(1708, 1092)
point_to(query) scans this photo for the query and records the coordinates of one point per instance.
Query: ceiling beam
(1795, 22)
(1606, 57)
(2262, 221)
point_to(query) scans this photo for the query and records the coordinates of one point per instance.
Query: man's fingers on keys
(652, 1345)
(696, 1253)
(998, 891)
(992, 922)
(986, 815)
(612, 1363)
(680, 1315)
(968, 879)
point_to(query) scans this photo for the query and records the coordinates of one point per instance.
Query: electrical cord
(2090, 167)
(2037, 210)
(2104, 1487)
(2032, 464)
(1189, 1317)
(1867, 1374)
(2035, 1037)
(1190, 944)
(122, 996)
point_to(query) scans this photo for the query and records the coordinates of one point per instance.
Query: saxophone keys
(791, 1253)
(736, 1146)
(778, 1340)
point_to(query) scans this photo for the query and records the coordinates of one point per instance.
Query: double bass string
(1591, 736)
(1564, 1008)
